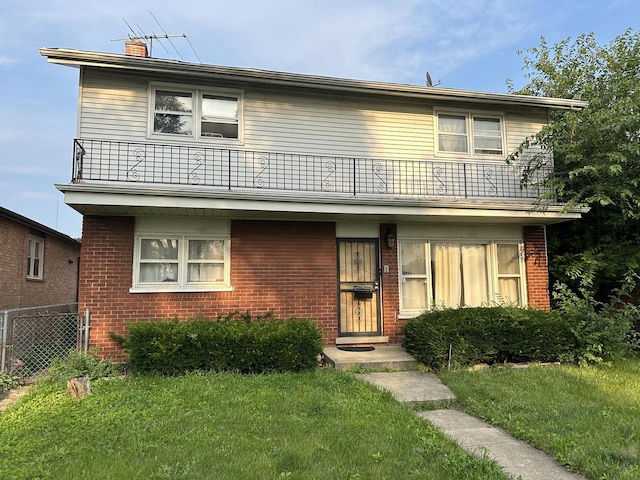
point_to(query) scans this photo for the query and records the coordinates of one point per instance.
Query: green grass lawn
(322, 424)
(587, 418)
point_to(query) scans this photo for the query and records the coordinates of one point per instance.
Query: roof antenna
(150, 38)
(430, 82)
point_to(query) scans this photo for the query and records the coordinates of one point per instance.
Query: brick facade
(59, 283)
(287, 267)
(535, 251)
(392, 326)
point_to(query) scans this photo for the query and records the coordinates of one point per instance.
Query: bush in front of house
(232, 343)
(468, 336)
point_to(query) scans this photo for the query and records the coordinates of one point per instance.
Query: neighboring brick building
(39, 264)
(209, 189)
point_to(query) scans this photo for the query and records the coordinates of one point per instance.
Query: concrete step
(382, 357)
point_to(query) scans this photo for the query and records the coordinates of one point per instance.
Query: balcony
(237, 170)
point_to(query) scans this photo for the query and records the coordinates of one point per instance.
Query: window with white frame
(181, 263)
(467, 133)
(443, 274)
(196, 113)
(35, 254)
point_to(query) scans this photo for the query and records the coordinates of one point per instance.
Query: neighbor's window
(468, 133)
(180, 262)
(451, 274)
(35, 251)
(196, 113)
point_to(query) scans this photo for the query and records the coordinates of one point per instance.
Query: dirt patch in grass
(12, 396)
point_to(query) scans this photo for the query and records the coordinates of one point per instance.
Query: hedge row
(467, 336)
(234, 343)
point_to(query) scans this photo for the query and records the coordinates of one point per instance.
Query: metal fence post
(4, 326)
(87, 316)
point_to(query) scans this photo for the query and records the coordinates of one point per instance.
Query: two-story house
(209, 189)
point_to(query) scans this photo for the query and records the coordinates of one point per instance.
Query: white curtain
(509, 291)
(447, 280)
(474, 275)
(452, 133)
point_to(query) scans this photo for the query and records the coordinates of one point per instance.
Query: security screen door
(358, 285)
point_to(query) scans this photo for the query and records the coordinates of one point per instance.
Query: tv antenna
(140, 35)
(430, 82)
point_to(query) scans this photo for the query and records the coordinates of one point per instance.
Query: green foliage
(8, 381)
(235, 342)
(80, 364)
(602, 333)
(487, 335)
(596, 157)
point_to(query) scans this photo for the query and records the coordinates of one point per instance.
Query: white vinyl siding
(335, 126)
(113, 107)
(116, 107)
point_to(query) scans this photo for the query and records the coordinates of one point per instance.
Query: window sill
(35, 279)
(175, 139)
(178, 289)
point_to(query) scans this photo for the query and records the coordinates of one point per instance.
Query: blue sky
(465, 44)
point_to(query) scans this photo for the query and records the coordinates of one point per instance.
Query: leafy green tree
(597, 158)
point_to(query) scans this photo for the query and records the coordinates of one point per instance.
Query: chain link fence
(30, 338)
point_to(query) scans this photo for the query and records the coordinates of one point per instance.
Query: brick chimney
(135, 48)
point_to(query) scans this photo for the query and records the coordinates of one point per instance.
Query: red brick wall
(289, 267)
(535, 250)
(59, 276)
(390, 290)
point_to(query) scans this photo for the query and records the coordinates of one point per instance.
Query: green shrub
(602, 332)
(8, 381)
(487, 335)
(80, 364)
(232, 343)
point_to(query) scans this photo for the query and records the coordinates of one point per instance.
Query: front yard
(323, 424)
(319, 424)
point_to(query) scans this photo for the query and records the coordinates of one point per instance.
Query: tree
(596, 156)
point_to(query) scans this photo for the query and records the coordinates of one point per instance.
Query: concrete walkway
(517, 458)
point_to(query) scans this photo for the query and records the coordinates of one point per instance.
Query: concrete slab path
(517, 458)
(411, 386)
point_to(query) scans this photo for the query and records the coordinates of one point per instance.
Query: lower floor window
(180, 262)
(443, 274)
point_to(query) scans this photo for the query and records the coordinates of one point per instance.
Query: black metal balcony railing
(242, 169)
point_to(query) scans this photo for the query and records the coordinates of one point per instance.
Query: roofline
(80, 58)
(16, 217)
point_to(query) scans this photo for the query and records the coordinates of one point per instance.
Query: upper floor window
(196, 113)
(35, 253)
(469, 134)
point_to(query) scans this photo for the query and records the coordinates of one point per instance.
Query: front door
(358, 287)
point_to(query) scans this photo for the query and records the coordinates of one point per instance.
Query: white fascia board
(84, 195)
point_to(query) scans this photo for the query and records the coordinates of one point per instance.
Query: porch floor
(383, 357)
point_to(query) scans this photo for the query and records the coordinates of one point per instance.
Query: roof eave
(79, 58)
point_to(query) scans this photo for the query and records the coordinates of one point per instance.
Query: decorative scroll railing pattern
(242, 169)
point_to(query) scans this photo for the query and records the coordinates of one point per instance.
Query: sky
(464, 44)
